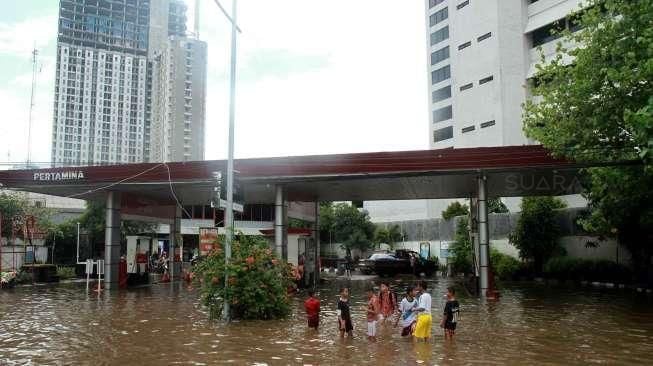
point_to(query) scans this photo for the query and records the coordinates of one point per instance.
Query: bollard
(89, 270)
(100, 272)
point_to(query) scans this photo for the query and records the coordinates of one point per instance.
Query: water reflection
(148, 326)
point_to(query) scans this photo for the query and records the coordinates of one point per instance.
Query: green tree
(327, 217)
(461, 249)
(15, 205)
(537, 232)
(352, 227)
(92, 221)
(455, 209)
(494, 205)
(388, 235)
(600, 109)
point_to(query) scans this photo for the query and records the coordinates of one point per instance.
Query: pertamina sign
(66, 175)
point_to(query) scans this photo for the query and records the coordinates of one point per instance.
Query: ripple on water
(531, 324)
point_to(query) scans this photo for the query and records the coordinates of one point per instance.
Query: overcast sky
(314, 77)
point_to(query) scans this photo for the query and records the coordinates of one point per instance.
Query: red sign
(208, 239)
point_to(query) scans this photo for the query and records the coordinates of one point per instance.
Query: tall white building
(481, 54)
(178, 85)
(101, 82)
(109, 77)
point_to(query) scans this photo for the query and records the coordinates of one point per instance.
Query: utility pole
(35, 53)
(229, 210)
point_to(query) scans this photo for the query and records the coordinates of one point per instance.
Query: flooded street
(164, 324)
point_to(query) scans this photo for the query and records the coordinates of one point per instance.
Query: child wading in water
(387, 302)
(450, 315)
(344, 316)
(373, 311)
(408, 316)
(424, 320)
(312, 306)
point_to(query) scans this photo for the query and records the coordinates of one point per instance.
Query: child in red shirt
(312, 306)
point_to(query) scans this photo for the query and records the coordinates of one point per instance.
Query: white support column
(280, 223)
(316, 238)
(483, 236)
(112, 240)
(175, 231)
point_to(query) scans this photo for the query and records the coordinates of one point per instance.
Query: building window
(466, 86)
(439, 16)
(440, 55)
(465, 45)
(443, 134)
(439, 35)
(487, 124)
(440, 74)
(548, 33)
(486, 80)
(484, 37)
(442, 114)
(433, 3)
(462, 5)
(441, 94)
(468, 129)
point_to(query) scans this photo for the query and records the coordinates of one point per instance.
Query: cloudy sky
(314, 77)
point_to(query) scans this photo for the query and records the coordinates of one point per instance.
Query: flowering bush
(7, 278)
(257, 281)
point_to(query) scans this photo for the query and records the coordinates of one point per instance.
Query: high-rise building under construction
(110, 75)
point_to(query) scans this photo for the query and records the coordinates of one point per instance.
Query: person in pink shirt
(373, 311)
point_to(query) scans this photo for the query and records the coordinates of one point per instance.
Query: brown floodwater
(164, 324)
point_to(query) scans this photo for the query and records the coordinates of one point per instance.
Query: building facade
(481, 56)
(179, 107)
(106, 83)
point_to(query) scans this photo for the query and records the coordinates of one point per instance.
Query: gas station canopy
(424, 174)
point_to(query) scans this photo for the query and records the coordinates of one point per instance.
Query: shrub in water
(577, 269)
(66, 273)
(504, 266)
(258, 281)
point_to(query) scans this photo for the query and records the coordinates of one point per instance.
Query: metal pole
(316, 239)
(484, 236)
(78, 243)
(229, 213)
(278, 221)
(35, 52)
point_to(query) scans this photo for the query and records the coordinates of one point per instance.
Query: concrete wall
(13, 257)
(574, 240)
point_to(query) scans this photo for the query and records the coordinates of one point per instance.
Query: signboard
(208, 239)
(219, 193)
(444, 250)
(237, 206)
(60, 176)
(425, 249)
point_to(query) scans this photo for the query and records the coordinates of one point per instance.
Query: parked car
(392, 263)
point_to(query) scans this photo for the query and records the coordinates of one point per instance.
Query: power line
(115, 183)
(173, 191)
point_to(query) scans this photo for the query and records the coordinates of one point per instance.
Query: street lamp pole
(77, 243)
(229, 210)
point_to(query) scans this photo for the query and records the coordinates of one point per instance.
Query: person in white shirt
(424, 321)
(407, 314)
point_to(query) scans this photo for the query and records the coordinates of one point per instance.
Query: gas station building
(275, 188)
